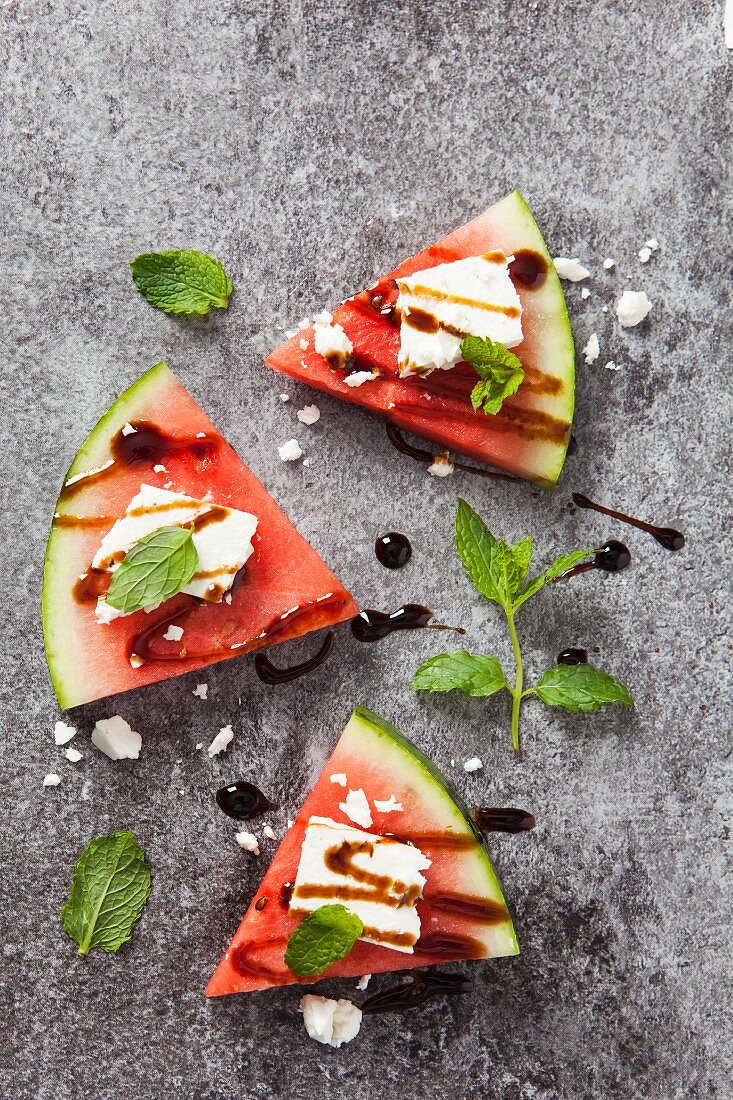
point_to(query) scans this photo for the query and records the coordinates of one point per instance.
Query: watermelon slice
(285, 590)
(463, 914)
(529, 437)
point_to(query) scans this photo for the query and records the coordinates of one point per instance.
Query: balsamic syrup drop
(667, 537)
(372, 626)
(611, 558)
(271, 674)
(528, 268)
(573, 657)
(420, 454)
(243, 801)
(419, 988)
(491, 819)
(393, 550)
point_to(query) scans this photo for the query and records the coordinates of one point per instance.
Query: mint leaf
(179, 281)
(478, 676)
(513, 563)
(326, 935)
(580, 687)
(558, 567)
(109, 888)
(479, 551)
(499, 370)
(158, 566)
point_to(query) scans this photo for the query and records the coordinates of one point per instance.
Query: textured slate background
(310, 146)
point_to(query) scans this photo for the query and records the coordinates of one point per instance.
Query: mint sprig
(156, 568)
(109, 888)
(326, 935)
(181, 281)
(499, 370)
(499, 572)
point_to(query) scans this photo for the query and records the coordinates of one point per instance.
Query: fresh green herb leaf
(109, 888)
(513, 563)
(478, 550)
(180, 281)
(474, 675)
(156, 568)
(326, 935)
(580, 687)
(499, 370)
(558, 567)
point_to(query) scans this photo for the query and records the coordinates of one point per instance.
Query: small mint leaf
(558, 567)
(474, 675)
(499, 370)
(478, 550)
(181, 281)
(156, 568)
(326, 935)
(513, 563)
(581, 687)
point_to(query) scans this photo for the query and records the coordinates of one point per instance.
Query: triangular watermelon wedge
(285, 589)
(530, 435)
(463, 914)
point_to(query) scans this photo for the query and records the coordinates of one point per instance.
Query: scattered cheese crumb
(632, 307)
(330, 1022)
(441, 465)
(63, 733)
(608, 263)
(452, 763)
(173, 633)
(199, 745)
(592, 349)
(284, 397)
(136, 661)
(585, 293)
(645, 255)
(128, 429)
(304, 323)
(307, 462)
(652, 243)
(290, 451)
(473, 765)
(323, 318)
(248, 841)
(51, 780)
(356, 808)
(309, 415)
(227, 597)
(359, 377)
(269, 832)
(570, 268)
(363, 981)
(116, 739)
(201, 691)
(73, 754)
(223, 739)
(290, 823)
(159, 469)
(604, 309)
(304, 345)
(201, 435)
(339, 777)
(610, 365)
(388, 806)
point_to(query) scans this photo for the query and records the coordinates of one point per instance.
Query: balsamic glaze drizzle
(612, 557)
(492, 819)
(242, 800)
(667, 537)
(420, 454)
(372, 626)
(573, 657)
(393, 550)
(421, 986)
(271, 674)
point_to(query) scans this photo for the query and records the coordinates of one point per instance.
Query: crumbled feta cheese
(339, 777)
(222, 741)
(388, 806)
(115, 738)
(441, 465)
(105, 612)
(570, 268)
(128, 429)
(201, 435)
(201, 691)
(592, 349)
(390, 917)
(363, 981)
(333, 344)
(269, 832)
(304, 323)
(63, 733)
(322, 318)
(585, 293)
(290, 451)
(604, 309)
(51, 780)
(652, 244)
(359, 377)
(72, 754)
(473, 296)
(330, 1022)
(173, 633)
(645, 255)
(307, 462)
(610, 365)
(136, 661)
(608, 263)
(632, 307)
(284, 397)
(304, 345)
(199, 745)
(290, 823)
(227, 597)
(356, 808)
(309, 415)
(248, 841)
(473, 765)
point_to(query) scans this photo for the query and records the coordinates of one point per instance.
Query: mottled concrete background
(309, 146)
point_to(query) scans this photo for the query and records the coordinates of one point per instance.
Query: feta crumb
(105, 613)
(269, 832)
(330, 1022)
(284, 397)
(356, 808)
(223, 739)
(304, 345)
(116, 739)
(388, 806)
(199, 745)
(359, 377)
(322, 318)
(227, 597)
(632, 307)
(248, 841)
(309, 415)
(363, 981)
(159, 469)
(652, 243)
(63, 733)
(473, 765)
(307, 462)
(610, 365)
(441, 465)
(452, 763)
(290, 823)
(173, 633)
(645, 255)
(303, 323)
(592, 349)
(51, 780)
(608, 263)
(201, 691)
(73, 754)
(585, 293)
(339, 777)
(136, 661)
(570, 268)
(290, 451)
(201, 435)
(333, 344)
(128, 429)
(604, 309)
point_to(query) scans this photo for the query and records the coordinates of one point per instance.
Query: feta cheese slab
(63, 733)
(592, 349)
(330, 1022)
(441, 305)
(290, 450)
(356, 808)
(248, 841)
(359, 377)
(51, 780)
(441, 465)
(173, 633)
(223, 545)
(201, 691)
(338, 777)
(73, 754)
(332, 343)
(116, 739)
(473, 765)
(387, 806)
(336, 857)
(222, 741)
(310, 414)
(632, 307)
(570, 268)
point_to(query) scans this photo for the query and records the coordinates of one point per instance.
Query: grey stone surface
(309, 146)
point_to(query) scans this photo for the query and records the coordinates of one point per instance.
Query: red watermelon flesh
(529, 436)
(286, 590)
(463, 913)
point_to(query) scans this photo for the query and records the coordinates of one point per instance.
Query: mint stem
(516, 691)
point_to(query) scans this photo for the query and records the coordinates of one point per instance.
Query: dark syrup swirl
(667, 537)
(573, 657)
(612, 557)
(271, 674)
(393, 550)
(371, 626)
(421, 986)
(420, 454)
(243, 800)
(492, 819)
